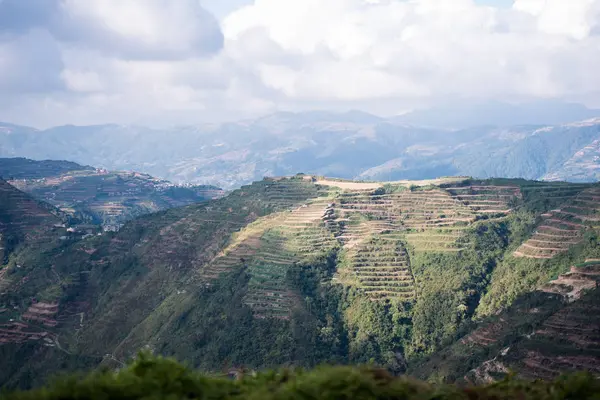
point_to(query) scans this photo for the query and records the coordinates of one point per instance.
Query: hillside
(300, 271)
(24, 220)
(353, 145)
(23, 168)
(98, 196)
(544, 333)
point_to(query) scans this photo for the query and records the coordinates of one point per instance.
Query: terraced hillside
(564, 226)
(96, 195)
(304, 270)
(25, 223)
(543, 335)
(22, 219)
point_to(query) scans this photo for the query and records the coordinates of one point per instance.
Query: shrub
(151, 377)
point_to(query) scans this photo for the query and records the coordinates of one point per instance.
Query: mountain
(98, 196)
(463, 114)
(23, 220)
(22, 168)
(304, 270)
(352, 145)
(539, 337)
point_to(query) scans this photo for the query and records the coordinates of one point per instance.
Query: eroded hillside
(297, 271)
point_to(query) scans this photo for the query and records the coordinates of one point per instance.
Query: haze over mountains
(542, 140)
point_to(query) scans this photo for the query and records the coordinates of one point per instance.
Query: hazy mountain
(302, 271)
(350, 145)
(107, 198)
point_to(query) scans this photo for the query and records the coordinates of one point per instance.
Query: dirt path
(350, 185)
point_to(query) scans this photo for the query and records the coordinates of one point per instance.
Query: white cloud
(146, 29)
(164, 61)
(572, 18)
(357, 49)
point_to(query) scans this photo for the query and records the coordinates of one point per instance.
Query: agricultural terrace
(574, 283)
(428, 219)
(23, 216)
(20, 332)
(35, 324)
(381, 270)
(563, 227)
(487, 199)
(112, 197)
(272, 244)
(567, 341)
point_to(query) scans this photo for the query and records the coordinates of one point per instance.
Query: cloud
(576, 19)
(139, 29)
(353, 49)
(30, 63)
(169, 62)
(131, 29)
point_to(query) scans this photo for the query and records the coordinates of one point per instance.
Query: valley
(303, 270)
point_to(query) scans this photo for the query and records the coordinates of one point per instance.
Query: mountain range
(352, 145)
(454, 279)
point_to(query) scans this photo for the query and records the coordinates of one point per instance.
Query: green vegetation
(289, 272)
(23, 168)
(149, 377)
(96, 196)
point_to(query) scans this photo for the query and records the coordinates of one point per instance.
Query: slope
(98, 196)
(23, 220)
(291, 271)
(543, 334)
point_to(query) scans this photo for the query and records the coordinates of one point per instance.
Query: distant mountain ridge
(353, 145)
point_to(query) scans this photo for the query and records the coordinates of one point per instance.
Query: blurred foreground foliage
(150, 377)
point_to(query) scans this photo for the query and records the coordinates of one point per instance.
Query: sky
(174, 62)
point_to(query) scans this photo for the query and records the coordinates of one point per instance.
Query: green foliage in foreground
(160, 378)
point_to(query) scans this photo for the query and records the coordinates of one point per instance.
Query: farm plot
(23, 216)
(291, 193)
(486, 335)
(566, 341)
(434, 220)
(563, 227)
(290, 238)
(430, 219)
(578, 280)
(548, 191)
(19, 332)
(270, 246)
(486, 199)
(382, 270)
(42, 314)
(268, 293)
